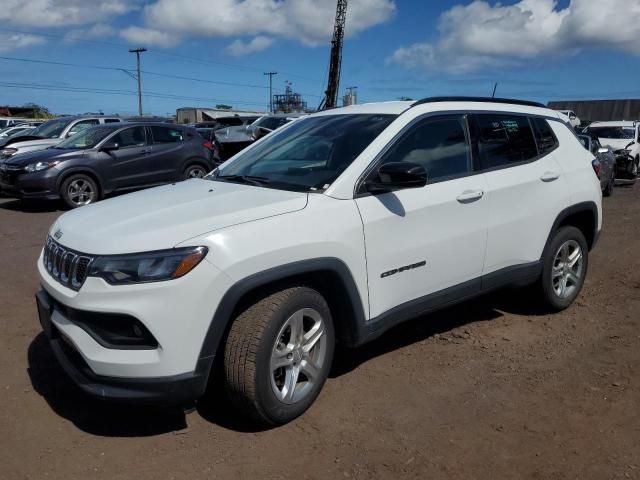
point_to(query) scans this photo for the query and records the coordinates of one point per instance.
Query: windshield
(88, 138)
(584, 140)
(308, 155)
(616, 133)
(52, 128)
(270, 122)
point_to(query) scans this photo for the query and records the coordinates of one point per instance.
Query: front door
(425, 240)
(127, 166)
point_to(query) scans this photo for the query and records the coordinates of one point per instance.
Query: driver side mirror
(109, 147)
(397, 176)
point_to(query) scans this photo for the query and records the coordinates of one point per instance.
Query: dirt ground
(488, 389)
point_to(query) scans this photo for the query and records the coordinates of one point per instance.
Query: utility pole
(138, 51)
(271, 74)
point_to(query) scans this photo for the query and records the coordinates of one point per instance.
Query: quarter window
(131, 137)
(438, 144)
(111, 120)
(545, 137)
(166, 135)
(82, 125)
(504, 140)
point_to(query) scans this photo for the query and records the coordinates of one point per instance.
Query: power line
(74, 89)
(131, 71)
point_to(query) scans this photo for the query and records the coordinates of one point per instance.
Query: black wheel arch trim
(81, 170)
(227, 306)
(581, 207)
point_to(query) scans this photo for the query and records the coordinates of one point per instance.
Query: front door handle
(469, 196)
(549, 176)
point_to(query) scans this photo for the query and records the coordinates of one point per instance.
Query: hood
(163, 217)
(41, 143)
(48, 154)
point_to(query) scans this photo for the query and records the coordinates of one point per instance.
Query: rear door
(126, 166)
(167, 153)
(526, 187)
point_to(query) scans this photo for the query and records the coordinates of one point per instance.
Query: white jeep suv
(332, 229)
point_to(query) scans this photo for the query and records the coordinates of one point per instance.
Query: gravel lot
(488, 389)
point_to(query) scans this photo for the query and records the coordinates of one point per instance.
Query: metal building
(600, 110)
(195, 115)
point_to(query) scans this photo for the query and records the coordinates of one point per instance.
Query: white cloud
(97, 31)
(257, 44)
(149, 36)
(59, 13)
(14, 41)
(480, 35)
(308, 21)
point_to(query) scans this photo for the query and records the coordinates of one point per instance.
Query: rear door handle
(549, 176)
(469, 196)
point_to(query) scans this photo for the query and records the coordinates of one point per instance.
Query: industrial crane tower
(330, 99)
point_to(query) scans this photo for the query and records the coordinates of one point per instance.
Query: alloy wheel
(298, 356)
(567, 271)
(81, 192)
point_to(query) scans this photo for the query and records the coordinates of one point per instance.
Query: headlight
(147, 267)
(36, 167)
(7, 152)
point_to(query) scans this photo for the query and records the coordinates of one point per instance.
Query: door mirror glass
(397, 176)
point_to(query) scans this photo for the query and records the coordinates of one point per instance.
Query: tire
(262, 335)
(554, 273)
(78, 190)
(194, 171)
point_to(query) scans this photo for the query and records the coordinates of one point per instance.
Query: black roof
(479, 99)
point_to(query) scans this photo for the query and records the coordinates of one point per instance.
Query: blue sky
(536, 49)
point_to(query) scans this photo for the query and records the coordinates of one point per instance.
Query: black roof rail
(479, 99)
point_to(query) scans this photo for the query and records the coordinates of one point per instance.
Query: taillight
(208, 145)
(596, 167)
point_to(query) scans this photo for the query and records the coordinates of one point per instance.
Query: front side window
(307, 155)
(131, 137)
(504, 139)
(166, 135)
(438, 144)
(82, 125)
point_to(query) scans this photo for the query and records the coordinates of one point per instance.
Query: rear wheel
(78, 190)
(564, 268)
(278, 355)
(194, 171)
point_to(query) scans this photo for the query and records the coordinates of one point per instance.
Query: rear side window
(166, 135)
(438, 144)
(545, 137)
(111, 120)
(504, 140)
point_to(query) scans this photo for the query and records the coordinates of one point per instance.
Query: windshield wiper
(246, 179)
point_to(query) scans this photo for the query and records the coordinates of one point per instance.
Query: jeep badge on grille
(58, 234)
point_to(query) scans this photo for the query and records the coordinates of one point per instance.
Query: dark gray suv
(100, 160)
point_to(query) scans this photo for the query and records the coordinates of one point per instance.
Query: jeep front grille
(66, 266)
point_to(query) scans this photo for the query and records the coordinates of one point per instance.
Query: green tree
(37, 111)
(222, 106)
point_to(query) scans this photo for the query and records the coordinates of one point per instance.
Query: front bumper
(177, 313)
(36, 185)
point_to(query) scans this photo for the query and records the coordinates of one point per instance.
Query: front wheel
(278, 355)
(564, 268)
(194, 171)
(78, 190)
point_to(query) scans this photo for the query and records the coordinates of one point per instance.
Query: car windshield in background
(618, 133)
(270, 122)
(306, 156)
(51, 129)
(86, 139)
